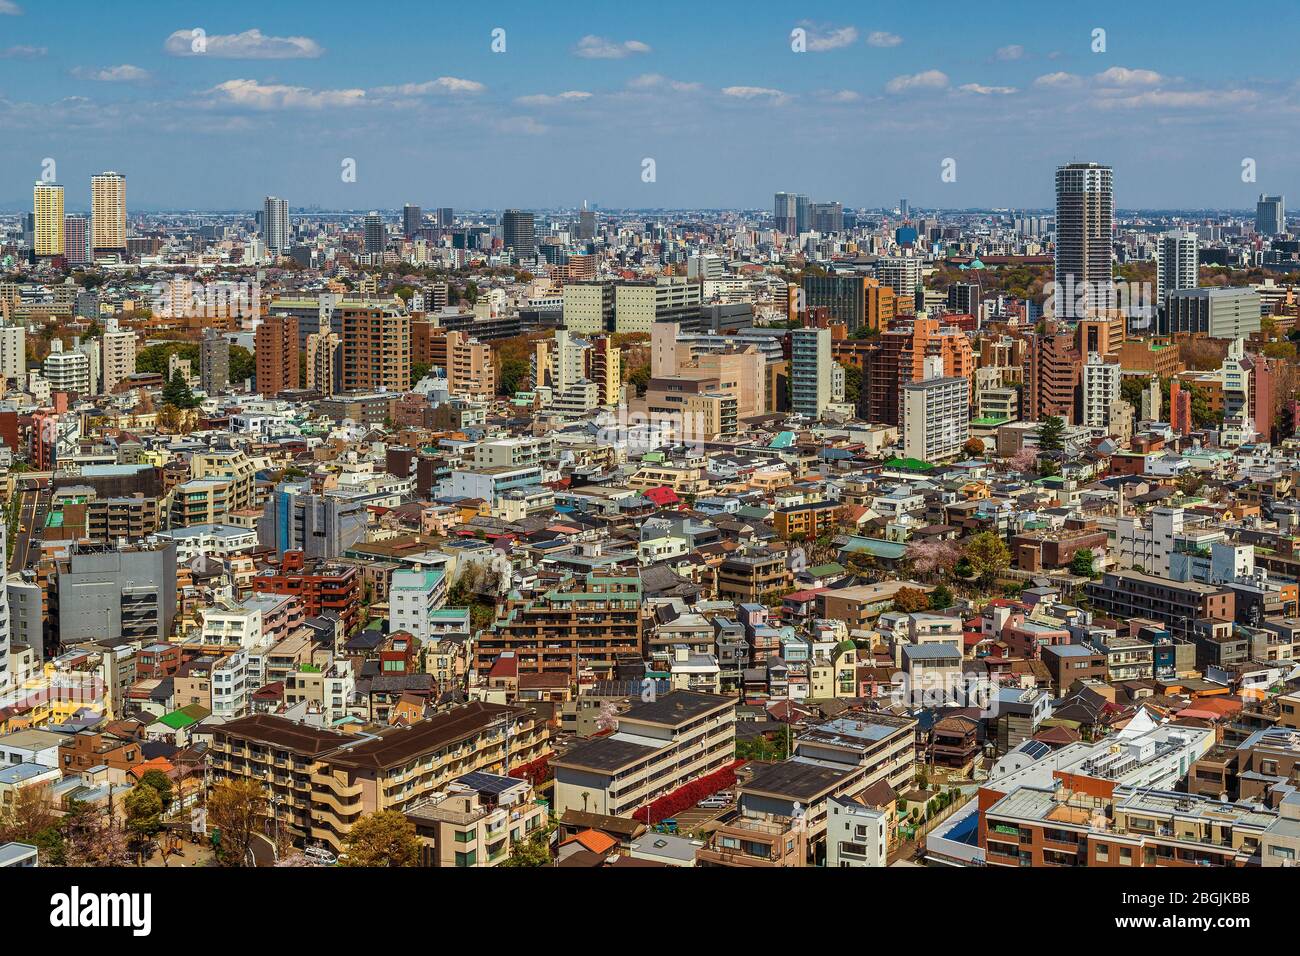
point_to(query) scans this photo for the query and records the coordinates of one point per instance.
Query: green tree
(243, 366)
(852, 383)
(640, 378)
(144, 810)
(235, 809)
(941, 598)
(513, 373)
(176, 392)
(988, 555)
(385, 838)
(418, 371)
(533, 852)
(162, 783)
(1082, 562)
(1051, 433)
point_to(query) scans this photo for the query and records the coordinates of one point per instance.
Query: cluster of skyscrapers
(74, 238)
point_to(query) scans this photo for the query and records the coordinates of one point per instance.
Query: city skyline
(277, 100)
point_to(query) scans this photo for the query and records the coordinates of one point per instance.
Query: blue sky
(283, 92)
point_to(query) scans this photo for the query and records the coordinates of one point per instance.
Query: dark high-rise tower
(518, 233)
(375, 233)
(412, 220)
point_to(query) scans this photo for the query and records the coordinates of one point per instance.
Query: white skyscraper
(1177, 263)
(275, 225)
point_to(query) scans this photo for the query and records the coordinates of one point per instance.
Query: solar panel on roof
(1035, 749)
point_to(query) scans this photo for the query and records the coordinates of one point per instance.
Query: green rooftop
(909, 464)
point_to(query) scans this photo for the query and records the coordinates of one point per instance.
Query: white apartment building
(1100, 390)
(413, 596)
(936, 418)
(67, 371)
(13, 353)
(230, 685)
(117, 352)
(856, 835)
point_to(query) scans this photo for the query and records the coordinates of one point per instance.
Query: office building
(639, 305)
(810, 371)
(113, 591)
(412, 220)
(47, 208)
(854, 301)
(320, 526)
(275, 353)
(1270, 215)
(518, 233)
(108, 214)
(1223, 313)
(791, 213)
(1085, 219)
(589, 307)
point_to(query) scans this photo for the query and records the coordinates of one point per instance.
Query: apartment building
(660, 745)
(588, 625)
(1185, 608)
(838, 758)
(748, 577)
(376, 348)
(936, 418)
(275, 353)
(321, 782)
(1097, 824)
(477, 820)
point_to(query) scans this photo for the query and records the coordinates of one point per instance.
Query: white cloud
(652, 81)
(22, 52)
(1122, 76)
(592, 47)
(125, 73)
(1058, 80)
(548, 99)
(752, 92)
(443, 84)
(9, 8)
(882, 38)
(1012, 52)
(928, 80)
(823, 38)
(520, 124)
(249, 45)
(261, 96)
(987, 90)
(845, 96)
(1180, 99)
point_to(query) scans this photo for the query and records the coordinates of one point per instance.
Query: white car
(320, 856)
